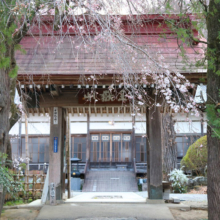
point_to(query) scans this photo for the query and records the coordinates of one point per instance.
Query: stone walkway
(91, 211)
(182, 197)
(112, 197)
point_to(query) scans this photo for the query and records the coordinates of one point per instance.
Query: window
(126, 148)
(116, 151)
(78, 147)
(105, 146)
(126, 159)
(15, 147)
(142, 152)
(79, 153)
(126, 145)
(141, 149)
(116, 147)
(38, 149)
(94, 151)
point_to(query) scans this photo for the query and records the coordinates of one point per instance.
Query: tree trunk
(213, 87)
(7, 87)
(15, 116)
(4, 116)
(169, 145)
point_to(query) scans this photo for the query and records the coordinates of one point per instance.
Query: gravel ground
(201, 190)
(189, 215)
(19, 214)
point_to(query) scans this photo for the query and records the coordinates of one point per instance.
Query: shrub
(7, 182)
(196, 155)
(178, 181)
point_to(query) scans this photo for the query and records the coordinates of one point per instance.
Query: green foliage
(6, 177)
(23, 166)
(12, 26)
(18, 47)
(6, 40)
(12, 203)
(196, 156)
(13, 72)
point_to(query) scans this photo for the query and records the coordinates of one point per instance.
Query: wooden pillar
(154, 154)
(56, 154)
(202, 125)
(26, 151)
(88, 138)
(20, 139)
(68, 153)
(133, 152)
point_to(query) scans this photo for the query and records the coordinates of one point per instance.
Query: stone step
(110, 181)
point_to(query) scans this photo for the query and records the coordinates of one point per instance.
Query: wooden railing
(32, 187)
(134, 164)
(86, 169)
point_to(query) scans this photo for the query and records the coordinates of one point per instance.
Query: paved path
(121, 197)
(91, 211)
(115, 197)
(182, 197)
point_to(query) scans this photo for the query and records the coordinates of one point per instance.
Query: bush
(178, 181)
(196, 156)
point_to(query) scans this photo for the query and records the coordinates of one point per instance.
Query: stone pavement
(113, 206)
(182, 197)
(94, 211)
(115, 197)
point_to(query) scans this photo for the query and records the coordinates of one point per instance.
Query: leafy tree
(208, 17)
(196, 156)
(17, 17)
(7, 182)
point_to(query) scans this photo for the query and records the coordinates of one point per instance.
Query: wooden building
(59, 75)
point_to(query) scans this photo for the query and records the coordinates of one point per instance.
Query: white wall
(188, 124)
(101, 122)
(40, 125)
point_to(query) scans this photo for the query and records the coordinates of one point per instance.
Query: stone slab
(155, 201)
(107, 197)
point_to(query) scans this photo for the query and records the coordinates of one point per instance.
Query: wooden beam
(95, 111)
(84, 111)
(133, 152)
(32, 110)
(68, 150)
(38, 112)
(43, 109)
(72, 113)
(78, 111)
(49, 110)
(88, 138)
(56, 91)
